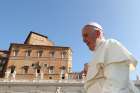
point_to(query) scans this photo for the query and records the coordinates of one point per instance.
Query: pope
(109, 70)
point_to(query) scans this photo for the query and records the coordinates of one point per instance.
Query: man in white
(109, 71)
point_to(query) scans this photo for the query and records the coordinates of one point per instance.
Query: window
(69, 70)
(25, 68)
(39, 53)
(45, 65)
(63, 54)
(63, 69)
(15, 53)
(38, 71)
(50, 77)
(52, 54)
(28, 53)
(12, 67)
(69, 76)
(33, 64)
(63, 76)
(1, 65)
(51, 69)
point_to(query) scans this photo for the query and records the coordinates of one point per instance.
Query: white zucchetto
(95, 24)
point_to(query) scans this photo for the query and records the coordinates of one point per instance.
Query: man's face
(89, 37)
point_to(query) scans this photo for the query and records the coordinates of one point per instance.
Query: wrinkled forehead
(88, 29)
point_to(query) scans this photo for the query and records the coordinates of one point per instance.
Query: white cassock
(114, 76)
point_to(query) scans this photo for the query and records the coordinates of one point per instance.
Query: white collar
(99, 42)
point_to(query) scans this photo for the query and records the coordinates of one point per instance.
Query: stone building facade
(39, 61)
(38, 58)
(3, 60)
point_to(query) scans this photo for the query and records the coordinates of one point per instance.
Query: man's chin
(91, 49)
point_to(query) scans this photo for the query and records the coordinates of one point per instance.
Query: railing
(42, 81)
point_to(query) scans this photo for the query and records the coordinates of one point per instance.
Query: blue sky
(62, 21)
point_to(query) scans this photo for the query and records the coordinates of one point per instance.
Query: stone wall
(46, 86)
(43, 86)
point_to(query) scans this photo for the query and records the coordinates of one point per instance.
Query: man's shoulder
(112, 41)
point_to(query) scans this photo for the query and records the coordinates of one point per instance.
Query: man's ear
(98, 33)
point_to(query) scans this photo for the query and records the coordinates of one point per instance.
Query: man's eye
(85, 35)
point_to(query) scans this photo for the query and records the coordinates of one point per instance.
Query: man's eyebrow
(85, 34)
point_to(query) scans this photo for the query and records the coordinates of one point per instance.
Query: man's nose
(85, 40)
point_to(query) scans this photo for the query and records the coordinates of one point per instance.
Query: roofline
(33, 33)
(36, 45)
(3, 50)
